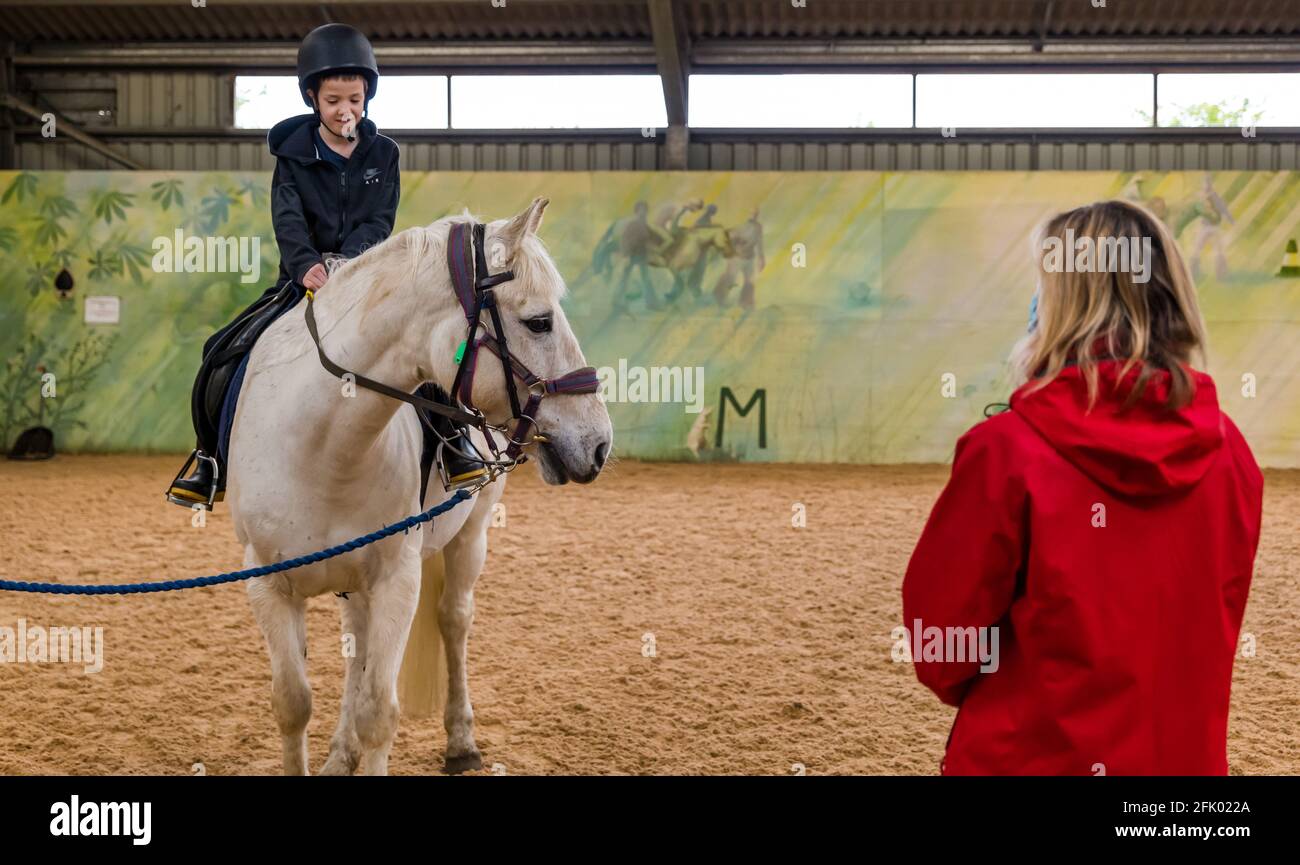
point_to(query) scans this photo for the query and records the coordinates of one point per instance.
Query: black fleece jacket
(317, 208)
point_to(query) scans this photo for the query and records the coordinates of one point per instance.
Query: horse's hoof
(470, 762)
(334, 766)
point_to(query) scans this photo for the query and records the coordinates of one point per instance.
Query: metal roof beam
(552, 54)
(672, 51)
(70, 129)
(910, 54)
(728, 54)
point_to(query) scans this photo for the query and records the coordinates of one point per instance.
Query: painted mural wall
(796, 317)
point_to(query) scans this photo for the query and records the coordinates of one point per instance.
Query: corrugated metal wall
(62, 155)
(159, 101)
(174, 99)
(995, 156)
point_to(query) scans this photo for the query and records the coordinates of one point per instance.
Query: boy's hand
(315, 278)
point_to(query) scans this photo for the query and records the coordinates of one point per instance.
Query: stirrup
(188, 499)
(465, 480)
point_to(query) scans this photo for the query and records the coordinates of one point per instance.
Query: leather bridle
(474, 287)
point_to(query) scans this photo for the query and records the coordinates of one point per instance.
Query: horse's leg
(345, 747)
(678, 286)
(697, 273)
(463, 556)
(620, 293)
(722, 287)
(283, 623)
(747, 285)
(393, 599)
(648, 287)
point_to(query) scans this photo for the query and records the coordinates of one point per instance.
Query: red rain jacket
(1113, 551)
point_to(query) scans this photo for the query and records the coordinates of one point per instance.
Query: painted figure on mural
(690, 248)
(636, 239)
(686, 251)
(747, 250)
(1209, 212)
(1141, 189)
(694, 275)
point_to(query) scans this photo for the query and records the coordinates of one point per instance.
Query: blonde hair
(1153, 325)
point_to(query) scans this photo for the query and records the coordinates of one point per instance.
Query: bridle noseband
(474, 287)
(475, 295)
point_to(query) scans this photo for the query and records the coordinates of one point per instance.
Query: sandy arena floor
(772, 643)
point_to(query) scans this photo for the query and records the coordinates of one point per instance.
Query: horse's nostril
(600, 454)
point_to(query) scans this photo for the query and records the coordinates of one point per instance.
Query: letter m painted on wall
(760, 397)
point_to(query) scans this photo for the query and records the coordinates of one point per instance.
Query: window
(806, 100)
(1046, 99)
(557, 102)
(1231, 99)
(800, 100)
(402, 101)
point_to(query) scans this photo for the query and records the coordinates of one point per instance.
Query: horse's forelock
(536, 276)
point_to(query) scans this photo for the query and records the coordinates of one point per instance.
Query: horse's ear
(523, 224)
(537, 209)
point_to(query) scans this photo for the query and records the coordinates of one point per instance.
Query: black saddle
(222, 355)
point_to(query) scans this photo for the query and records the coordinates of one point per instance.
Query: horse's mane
(536, 275)
(409, 260)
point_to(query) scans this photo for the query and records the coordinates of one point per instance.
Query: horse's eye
(539, 325)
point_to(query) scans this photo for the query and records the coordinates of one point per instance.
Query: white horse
(316, 462)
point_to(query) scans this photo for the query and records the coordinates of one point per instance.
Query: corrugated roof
(123, 21)
(973, 19)
(477, 20)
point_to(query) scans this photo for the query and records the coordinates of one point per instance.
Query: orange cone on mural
(1290, 260)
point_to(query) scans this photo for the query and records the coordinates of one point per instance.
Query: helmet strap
(321, 120)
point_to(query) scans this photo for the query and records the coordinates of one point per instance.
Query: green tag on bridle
(460, 351)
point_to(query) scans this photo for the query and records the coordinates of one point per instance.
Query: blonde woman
(1079, 587)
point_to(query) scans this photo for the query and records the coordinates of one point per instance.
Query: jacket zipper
(343, 192)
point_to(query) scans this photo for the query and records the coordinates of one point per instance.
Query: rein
(379, 387)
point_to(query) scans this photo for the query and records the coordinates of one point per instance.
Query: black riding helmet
(338, 49)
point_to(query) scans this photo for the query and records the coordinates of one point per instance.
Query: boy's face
(341, 100)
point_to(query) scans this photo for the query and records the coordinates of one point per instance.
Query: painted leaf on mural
(167, 193)
(23, 185)
(111, 204)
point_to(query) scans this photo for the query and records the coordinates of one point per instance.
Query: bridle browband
(474, 290)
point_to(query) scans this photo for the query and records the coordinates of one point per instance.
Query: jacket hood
(1145, 450)
(292, 137)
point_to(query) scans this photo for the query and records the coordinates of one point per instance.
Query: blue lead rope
(235, 576)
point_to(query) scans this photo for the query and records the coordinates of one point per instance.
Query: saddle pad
(228, 404)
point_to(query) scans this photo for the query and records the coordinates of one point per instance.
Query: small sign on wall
(103, 310)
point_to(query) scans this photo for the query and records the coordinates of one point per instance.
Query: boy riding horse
(334, 195)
